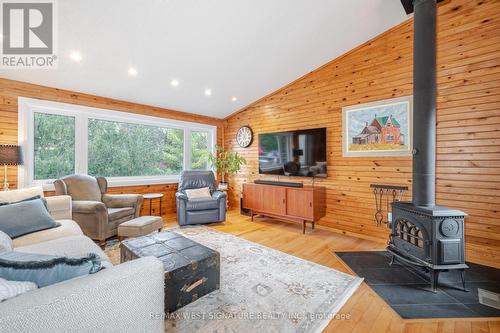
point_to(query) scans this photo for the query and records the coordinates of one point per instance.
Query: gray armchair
(97, 212)
(199, 211)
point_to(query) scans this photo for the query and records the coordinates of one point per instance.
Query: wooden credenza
(299, 204)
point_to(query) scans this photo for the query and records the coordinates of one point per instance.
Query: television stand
(298, 204)
(278, 183)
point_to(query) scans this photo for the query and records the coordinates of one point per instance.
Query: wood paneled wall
(468, 130)
(11, 90)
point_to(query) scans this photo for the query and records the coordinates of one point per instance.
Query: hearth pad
(406, 289)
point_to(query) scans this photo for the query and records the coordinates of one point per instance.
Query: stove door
(450, 251)
(410, 238)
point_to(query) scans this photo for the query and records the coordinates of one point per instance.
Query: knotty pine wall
(11, 90)
(468, 130)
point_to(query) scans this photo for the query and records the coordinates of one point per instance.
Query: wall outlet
(489, 298)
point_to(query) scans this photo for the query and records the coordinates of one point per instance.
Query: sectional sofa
(124, 298)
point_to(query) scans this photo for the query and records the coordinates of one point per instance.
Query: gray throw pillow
(5, 242)
(24, 217)
(3, 203)
(44, 270)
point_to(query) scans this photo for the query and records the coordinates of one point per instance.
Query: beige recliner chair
(97, 212)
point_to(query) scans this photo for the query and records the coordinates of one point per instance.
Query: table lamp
(9, 155)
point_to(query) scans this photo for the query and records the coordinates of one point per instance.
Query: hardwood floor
(367, 311)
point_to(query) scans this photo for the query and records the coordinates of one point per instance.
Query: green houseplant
(225, 163)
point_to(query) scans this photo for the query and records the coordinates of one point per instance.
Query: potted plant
(225, 163)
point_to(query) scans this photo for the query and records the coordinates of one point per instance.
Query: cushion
(5, 242)
(44, 270)
(202, 204)
(28, 199)
(197, 193)
(140, 226)
(71, 246)
(21, 194)
(118, 213)
(190, 179)
(66, 228)
(21, 218)
(9, 289)
(59, 207)
(83, 187)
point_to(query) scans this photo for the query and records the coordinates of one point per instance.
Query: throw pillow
(44, 270)
(27, 199)
(20, 194)
(9, 289)
(5, 242)
(198, 193)
(24, 217)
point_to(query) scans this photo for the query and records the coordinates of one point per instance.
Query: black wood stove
(424, 234)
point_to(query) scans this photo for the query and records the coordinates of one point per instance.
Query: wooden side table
(151, 197)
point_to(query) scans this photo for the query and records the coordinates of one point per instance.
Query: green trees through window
(199, 149)
(121, 150)
(114, 149)
(54, 145)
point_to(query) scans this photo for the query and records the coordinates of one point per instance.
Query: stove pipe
(424, 101)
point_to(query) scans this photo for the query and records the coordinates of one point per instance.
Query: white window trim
(28, 106)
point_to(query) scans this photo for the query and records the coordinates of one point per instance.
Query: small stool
(140, 226)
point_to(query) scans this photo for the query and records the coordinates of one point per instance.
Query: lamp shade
(11, 155)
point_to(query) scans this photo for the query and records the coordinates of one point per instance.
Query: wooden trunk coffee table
(191, 269)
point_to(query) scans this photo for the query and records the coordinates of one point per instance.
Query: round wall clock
(244, 136)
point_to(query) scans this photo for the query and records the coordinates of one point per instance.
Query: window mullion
(187, 149)
(81, 144)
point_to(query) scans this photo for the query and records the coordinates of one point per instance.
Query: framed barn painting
(381, 128)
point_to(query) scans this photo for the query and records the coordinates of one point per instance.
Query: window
(199, 149)
(54, 146)
(129, 149)
(121, 150)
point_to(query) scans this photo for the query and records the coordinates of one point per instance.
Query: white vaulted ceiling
(236, 48)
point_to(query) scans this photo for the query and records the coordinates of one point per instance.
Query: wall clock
(244, 136)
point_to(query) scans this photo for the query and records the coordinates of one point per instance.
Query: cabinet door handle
(310, 204)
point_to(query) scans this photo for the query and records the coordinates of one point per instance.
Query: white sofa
(125, 298)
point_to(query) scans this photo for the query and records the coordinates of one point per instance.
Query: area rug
(407, 291)
(263, 290)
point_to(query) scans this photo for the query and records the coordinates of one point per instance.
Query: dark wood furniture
(191, 269)
(299, 204)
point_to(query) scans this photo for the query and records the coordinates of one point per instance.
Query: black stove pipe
(424, 102)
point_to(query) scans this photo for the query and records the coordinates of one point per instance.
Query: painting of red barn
(382, 128)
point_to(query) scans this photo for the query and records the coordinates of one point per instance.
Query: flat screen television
(294, 153)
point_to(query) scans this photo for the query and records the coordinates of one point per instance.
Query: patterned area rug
(262, 290)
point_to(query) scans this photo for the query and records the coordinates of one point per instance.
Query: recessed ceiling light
(208, 92)
(132, 71)
(75, 56)
(174, 83)
(234, 99)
